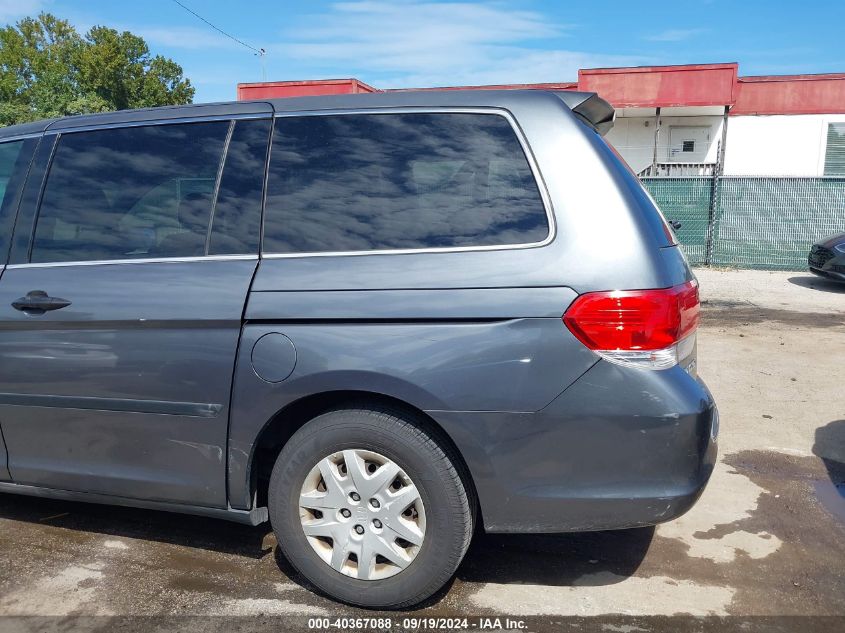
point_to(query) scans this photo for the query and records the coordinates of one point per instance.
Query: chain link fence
(751, 221)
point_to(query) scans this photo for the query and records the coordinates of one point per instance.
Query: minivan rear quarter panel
(474, 337)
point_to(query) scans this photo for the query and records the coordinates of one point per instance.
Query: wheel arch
(293, 416)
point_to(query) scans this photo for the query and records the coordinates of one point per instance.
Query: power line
(258, 51)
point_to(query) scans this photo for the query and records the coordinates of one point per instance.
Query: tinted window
(399, 181)
(8, 159)
(14, 159)
(130, 193)
(237, 214)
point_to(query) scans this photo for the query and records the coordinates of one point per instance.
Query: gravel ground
(767, 537)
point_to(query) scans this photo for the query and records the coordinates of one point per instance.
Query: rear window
(362, 182)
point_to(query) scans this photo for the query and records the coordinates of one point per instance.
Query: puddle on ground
(762, 541)
(768, 538)
(713, 529)
(832, 498)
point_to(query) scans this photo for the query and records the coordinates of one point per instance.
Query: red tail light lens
(634, 320)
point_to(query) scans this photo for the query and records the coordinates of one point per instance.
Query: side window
(237, 213)
(130, 192)
(359, 182)
(14, 161)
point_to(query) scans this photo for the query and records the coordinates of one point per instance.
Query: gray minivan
(379, 321)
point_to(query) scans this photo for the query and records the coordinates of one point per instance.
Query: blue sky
(405, 43)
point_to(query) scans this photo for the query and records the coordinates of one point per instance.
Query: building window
(689, 146)
(834, 156)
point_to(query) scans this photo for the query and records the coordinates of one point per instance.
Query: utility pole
(656, 141)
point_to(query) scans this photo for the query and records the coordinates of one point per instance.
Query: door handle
(38, 302)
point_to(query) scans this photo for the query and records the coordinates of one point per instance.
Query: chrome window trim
(492, 110)
(147, 260)
(42, 188)
(217, 181)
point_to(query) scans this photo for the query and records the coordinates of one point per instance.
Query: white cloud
(428, 23)
(423, 43)
(13, 10)
(511, 65)
(674, 35)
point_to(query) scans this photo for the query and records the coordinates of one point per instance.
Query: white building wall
(633, 137)
(774, 145)
(777, 145)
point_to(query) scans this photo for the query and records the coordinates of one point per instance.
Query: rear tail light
(653, 329)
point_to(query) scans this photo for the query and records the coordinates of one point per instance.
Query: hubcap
(362, 514)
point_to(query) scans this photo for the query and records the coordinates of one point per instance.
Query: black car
(827, 257)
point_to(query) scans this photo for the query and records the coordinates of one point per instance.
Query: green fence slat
(759, 222)
(686, 200)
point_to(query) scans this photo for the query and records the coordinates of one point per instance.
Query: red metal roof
(307, 88)
(639, 87)
(566, 85)
(662, 86)
(790, 94)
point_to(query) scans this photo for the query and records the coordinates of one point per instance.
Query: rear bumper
(619, 448)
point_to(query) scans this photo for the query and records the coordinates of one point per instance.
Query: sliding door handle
(39, 302)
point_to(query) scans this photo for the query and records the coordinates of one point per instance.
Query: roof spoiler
(590, 108)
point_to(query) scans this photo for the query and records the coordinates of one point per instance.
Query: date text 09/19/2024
(417, 624)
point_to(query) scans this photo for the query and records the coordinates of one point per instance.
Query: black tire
(427, 460)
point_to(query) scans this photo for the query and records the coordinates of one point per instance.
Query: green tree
(47, 69)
